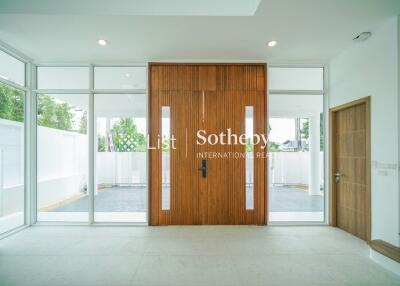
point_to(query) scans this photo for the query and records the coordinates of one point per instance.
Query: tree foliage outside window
(11, 103)
(83, 123)
(101, 143)
(304, 131)
(53, 114)
(126, 137)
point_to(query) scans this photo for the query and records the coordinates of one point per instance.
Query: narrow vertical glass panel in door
(249, 158)
(62, 157)
(12, 196)
(120, 160)
(166, 158)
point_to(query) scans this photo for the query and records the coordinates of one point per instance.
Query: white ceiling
(132, 7)
(308, 31)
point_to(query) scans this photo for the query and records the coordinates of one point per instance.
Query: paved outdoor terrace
(286, 204)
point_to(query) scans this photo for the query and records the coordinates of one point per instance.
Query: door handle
(203, 168)
(337, 177)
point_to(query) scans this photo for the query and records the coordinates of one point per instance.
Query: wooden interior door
(211, 98)
(350, 177)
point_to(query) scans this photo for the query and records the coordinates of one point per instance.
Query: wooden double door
(198, 176)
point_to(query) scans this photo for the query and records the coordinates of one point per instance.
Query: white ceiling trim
(132, 7)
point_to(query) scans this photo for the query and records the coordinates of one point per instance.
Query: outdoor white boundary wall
(56, 181)
(371, 68)
(292, 168)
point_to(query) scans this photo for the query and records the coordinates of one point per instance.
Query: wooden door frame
(150, 128)
(332, 165)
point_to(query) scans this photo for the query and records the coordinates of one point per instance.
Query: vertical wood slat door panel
(212, 98)
(237, 87)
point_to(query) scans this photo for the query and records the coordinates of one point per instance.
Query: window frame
(324, 93)
(91, 91)
(26, 89)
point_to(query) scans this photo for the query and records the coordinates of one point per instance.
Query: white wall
(370, 68)
(121, 168)
(292, 168)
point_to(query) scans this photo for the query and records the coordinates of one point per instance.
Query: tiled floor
(195, 255)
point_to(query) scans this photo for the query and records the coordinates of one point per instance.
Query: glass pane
(296, 158)
(11, 158)
(296, 78)
(120, 78)
(166, 156)
(121, 160)
(62, 158)
(249, 158)
(63, 77)
(12, 69)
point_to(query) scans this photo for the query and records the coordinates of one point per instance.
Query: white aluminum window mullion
(119, 91)
(147, 150)
(326, 146)
(62, 91)
(31, 147)
(123, 65)
(297, 92)
(92, 179)
(296, 66)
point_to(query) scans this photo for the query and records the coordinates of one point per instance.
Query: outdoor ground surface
(134, 199)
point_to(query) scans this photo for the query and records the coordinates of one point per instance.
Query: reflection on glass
(63, 77)
(62, 146)
(120, 161)
(249, 158)
(12, 69)
(166, 155)
(120, 77)
(11, 158)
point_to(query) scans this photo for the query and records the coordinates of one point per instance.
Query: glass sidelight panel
(249, 158)
(166, 158)
(11, 157)
(62, 157)
(296, 158)
(120, 158)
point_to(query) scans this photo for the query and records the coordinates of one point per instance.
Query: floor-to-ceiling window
(119, 115)
(62, 144)
(296, 145)
(12, 146)
(120, 120)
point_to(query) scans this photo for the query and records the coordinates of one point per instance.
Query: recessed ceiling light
(102, 42)
(272, 43)
(128, 75)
